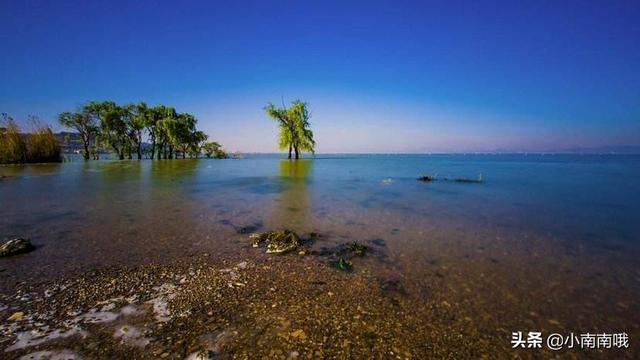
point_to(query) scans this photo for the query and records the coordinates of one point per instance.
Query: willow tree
(154, 115)
(182, 134)
(293, 122)
(85, 124)
(113, 125)
(165, 127)
(214, 149)
(137, 124)
(282, 117)
(197, 140)
(303, 136)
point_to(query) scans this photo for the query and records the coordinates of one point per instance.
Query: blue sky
(391, 76)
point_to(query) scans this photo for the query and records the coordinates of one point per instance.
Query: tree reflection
(292, 206)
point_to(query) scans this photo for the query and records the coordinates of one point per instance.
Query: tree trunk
(85, 155)
(297, 153)
(118, 152)
(289, 151)
(153, 147)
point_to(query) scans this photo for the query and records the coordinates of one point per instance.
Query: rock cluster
(276, 241)
(15, 246)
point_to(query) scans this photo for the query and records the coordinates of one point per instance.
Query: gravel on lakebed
(274, 306)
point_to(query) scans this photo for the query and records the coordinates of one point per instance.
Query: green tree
(138, 123)
(153, 116)
(182, 135)
(285, 137)
(85, 124)
(303, 136)
(295, 133)
(213, 149)
(165, 130)
(113, 125)
(123, 128)
(198, 139)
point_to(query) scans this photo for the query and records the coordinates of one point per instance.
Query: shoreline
(275, 306)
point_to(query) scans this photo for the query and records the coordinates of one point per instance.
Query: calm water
(143, 211)
(544, 237)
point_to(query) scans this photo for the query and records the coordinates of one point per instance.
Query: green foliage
(303, 138)
(114, 125)
(137, 124)
(196, 141)
(213, 149)
(86, 125)
(293, 122)
(122, 128)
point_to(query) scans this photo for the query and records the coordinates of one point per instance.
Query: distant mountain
(69, 141)
(72, 142)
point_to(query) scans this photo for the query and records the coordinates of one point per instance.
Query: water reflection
(291, 207)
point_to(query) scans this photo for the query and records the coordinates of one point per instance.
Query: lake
(544, 242)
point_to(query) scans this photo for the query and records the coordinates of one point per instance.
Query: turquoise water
(156, 209)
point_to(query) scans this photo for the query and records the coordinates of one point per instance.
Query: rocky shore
(348, 300)
(280, 307)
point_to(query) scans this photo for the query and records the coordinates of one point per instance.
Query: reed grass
(39, 145)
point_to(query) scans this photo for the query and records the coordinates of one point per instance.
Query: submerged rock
(429, 178)
(276, 241)
(357, 249)
(340, 256)
(469, 180)
(15, 246)
(344, 265)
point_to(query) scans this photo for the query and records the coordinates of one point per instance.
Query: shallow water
(544, 241)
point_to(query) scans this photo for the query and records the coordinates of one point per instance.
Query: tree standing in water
(85, 124)
(295, 133)
(303, 136)
(124, 128)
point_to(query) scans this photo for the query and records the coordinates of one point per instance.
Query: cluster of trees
(124, 129)
(39, 145)
(140, 130)
(293, 121)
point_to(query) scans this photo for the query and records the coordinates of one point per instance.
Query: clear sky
(390, 76)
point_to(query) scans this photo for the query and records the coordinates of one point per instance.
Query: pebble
(16, 316)
(299, 334)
